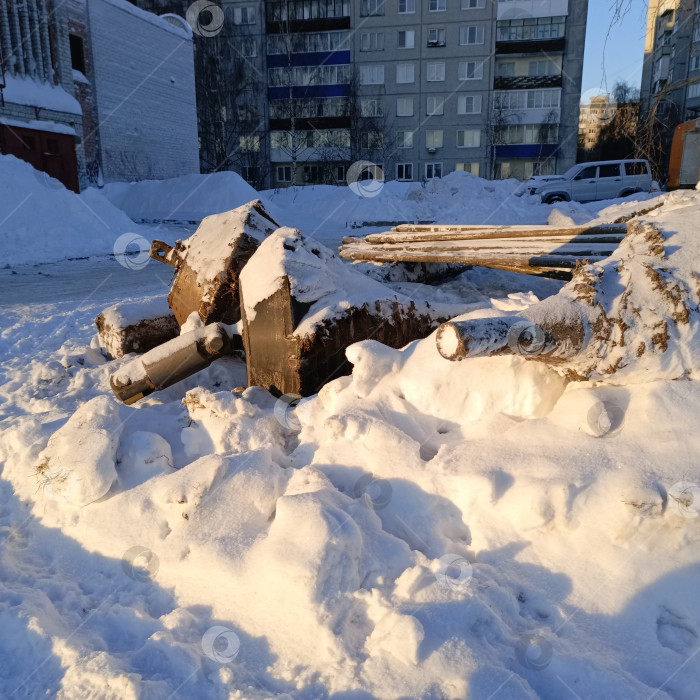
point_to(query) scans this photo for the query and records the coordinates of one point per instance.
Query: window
(249, 173)
(370, 107)
(437, 5)
(372, 8)
(313, 173)
(407, 39)
(311, 42)
(310, 75)
(471, 34)
(407, 7)
(249, 143)
(404, 171)
(405, 73)
(694, 62)
(77, 53)
(636, 167)
(249, 48)
(435, 72)
(284, 173)
(244, 15)
(471, 70)
(472, 168)
(404, 107)
(372, 75)
(433, 139)
(473, 4)
(433, 170)
(372, 41)
(528, 99)
(505, 69)
(610, 170)
(531, 29)
(280, 140)
(587, 173)
(693, 90)
(540, 68)
(340, 173)
(371, 139)
(435, 106)
(542, 99)
(468, 138)
(528, 133)
(436, 37)
(469, 104)
(404, 139)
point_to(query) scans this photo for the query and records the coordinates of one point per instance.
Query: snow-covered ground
(422, 529)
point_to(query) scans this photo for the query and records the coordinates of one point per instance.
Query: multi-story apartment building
(594, 115)
(419, 87)
(671, 74)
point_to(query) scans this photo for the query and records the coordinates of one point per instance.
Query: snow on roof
(26, 91)
(157, 21)
(39, 125)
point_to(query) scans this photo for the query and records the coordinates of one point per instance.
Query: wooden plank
(468, 258)
(458, 233)
(544, 248)
(610, 241)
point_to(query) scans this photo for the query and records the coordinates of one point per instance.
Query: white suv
(585, 182)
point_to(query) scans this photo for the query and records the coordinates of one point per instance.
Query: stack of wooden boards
(535, 250)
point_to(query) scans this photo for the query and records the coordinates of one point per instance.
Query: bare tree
(501, 116)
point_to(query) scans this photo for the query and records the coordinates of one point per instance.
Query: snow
(151, 18)
(42, 221)
(188, 198)
(423, 528)
(34, 93)
(40, 125)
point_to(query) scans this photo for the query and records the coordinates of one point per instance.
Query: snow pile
(458, 198)
(639, 308)
(420, 529)
(42, 221)
(187, 198)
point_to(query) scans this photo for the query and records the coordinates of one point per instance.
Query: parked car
(585, 182)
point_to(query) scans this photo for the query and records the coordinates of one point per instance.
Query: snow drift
(42, 221)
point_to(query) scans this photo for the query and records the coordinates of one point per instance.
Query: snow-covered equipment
(209, 262)
(635, 311)
(302, 307)
(173, 361)
(135, 326)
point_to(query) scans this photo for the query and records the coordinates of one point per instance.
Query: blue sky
(624, 53)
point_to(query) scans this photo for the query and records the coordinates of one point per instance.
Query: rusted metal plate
(209, 263)
(135, 327)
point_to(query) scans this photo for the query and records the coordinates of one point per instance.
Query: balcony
(519, 9)
(525, 82)
(530, 46)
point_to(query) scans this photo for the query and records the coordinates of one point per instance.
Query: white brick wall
(144, 88)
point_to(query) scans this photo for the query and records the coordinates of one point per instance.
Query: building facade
(294, 91)
(40, 119)
(97, 90)
(593, 116)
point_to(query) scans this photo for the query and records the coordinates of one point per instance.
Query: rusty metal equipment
(174, 361)
(208, 264)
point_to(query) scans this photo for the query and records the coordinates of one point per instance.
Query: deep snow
(422, 529)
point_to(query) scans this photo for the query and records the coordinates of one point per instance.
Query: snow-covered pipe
(543, 337)
(174, 361)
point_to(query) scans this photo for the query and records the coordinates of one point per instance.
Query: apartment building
(419, 87)
(671, 74)
(593, 116)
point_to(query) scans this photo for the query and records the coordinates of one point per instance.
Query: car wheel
(553, 198)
